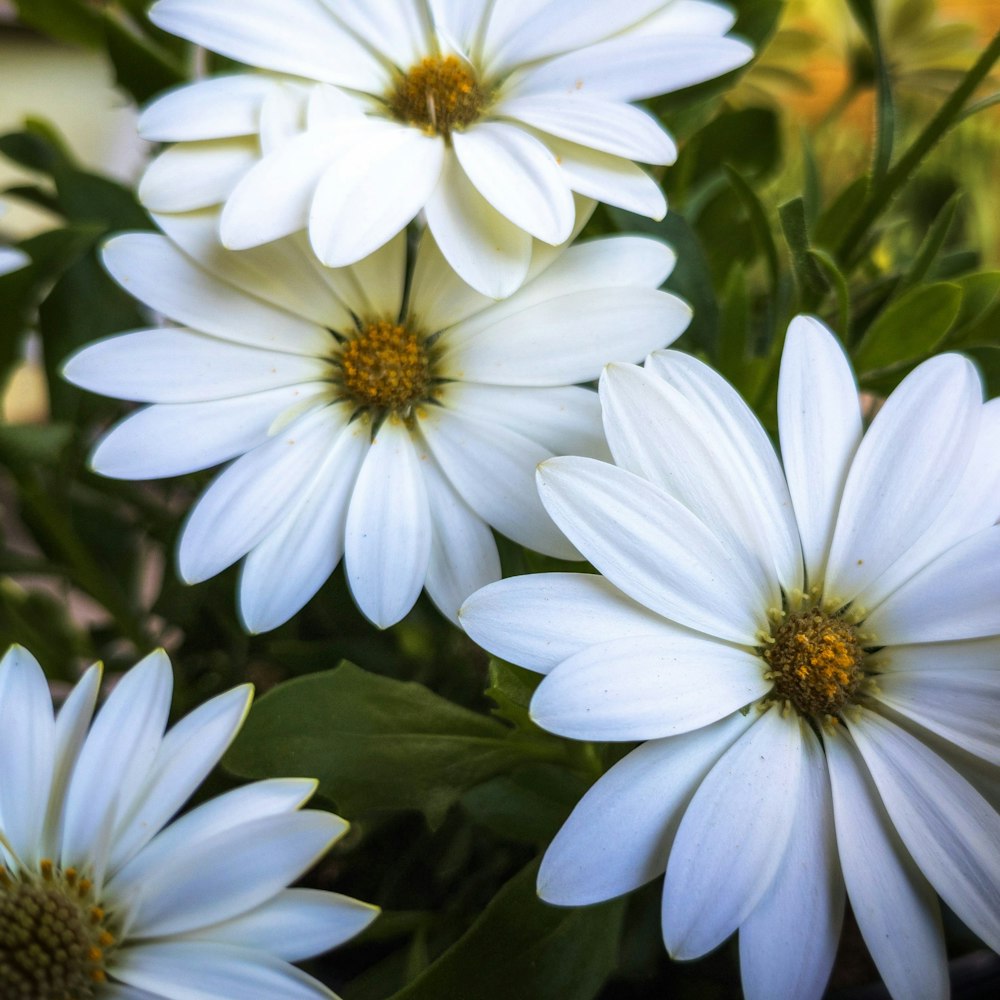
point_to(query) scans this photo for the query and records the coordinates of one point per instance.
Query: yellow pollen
(816, 662)
(385, 367)
(440, 94)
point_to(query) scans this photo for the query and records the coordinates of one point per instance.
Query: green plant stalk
(948, 115)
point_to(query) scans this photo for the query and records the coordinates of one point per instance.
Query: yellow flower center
(386, 367)
(815, 662)
(54, 940)
(440, 94)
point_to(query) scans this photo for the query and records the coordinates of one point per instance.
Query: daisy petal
(439, 298)
(220, 107)
(905, 470)
(819, 421)
(619, 835)
(294, 925)
(196, 175)
(732, 837)
(668, 561)
(283, 571)
(202, 970)
(249, 498)
(397, 29)
(492, 469)
(519, 177)
(637, 688)
(464, 554)
(947, 826)
(484, 247)
(388, 531)
(956, 597)
(789, 941)
(27, 761)
(892, 902)
(541, 619)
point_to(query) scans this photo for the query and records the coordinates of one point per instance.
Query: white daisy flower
(101, 899)
(387, 420)
(811, 656)
(485, 115)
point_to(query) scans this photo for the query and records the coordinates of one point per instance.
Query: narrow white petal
(117, 755)
(350, 216)
(519, 177)
(789, 941)
(732, 837)
(398, 29)
(974, 506)
(273, 198)
(689, 17)
(181, 366)
(186, 755)
(380, 279)
(819, 421)
(484, 247)
(961, 705)
(565, 339)
(217, 108)
(149, 267)
(201, 970)
(460, 21)
(611, 179)
(905, 470)
(283, 571)
(619, 835)
(294, 925)
(206, 881)
(388, 531)
(196, 175)
(892, 902)
(724, 416)
(492, 468)
(608, 126)
(639, 688)
(464, 553)
(656, 433)
(296, 36)
(541, 619)
(654, 549)
(27, 760)
(948, 827)
(634, 67)
(171, 439)
(956, 597)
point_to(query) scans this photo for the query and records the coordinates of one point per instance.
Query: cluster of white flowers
(808, 646)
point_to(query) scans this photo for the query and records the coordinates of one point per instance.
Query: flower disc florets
(53, 936)
(439, 94)
(816, 662)
(386, 367)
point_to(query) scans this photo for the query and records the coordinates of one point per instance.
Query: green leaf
(748, 140)
(66, 20)
(977, 319)
(812, 282)
(758, 223)
(885, 120)
(141, 67)
(521, 947)
(931, 244)
(910, 328)
(511, 687)
(835, 220)
(373, 743)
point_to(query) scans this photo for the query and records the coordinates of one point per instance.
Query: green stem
(947, 116)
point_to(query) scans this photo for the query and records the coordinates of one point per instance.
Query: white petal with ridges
(492, 468)
(250, 497)
(733, 836)
(892, 902)
(388, 531)
(541, 619)
(905, 470)
(283, 571)
(641, 688)
(956, 597)
(689, 17)
(619, 834)
(197, 174)
(216, 108)
(397, 29)
(789, 941)
(948, 827)
(519, 177)
(654, 549)
(819, 421)
(484, 247)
